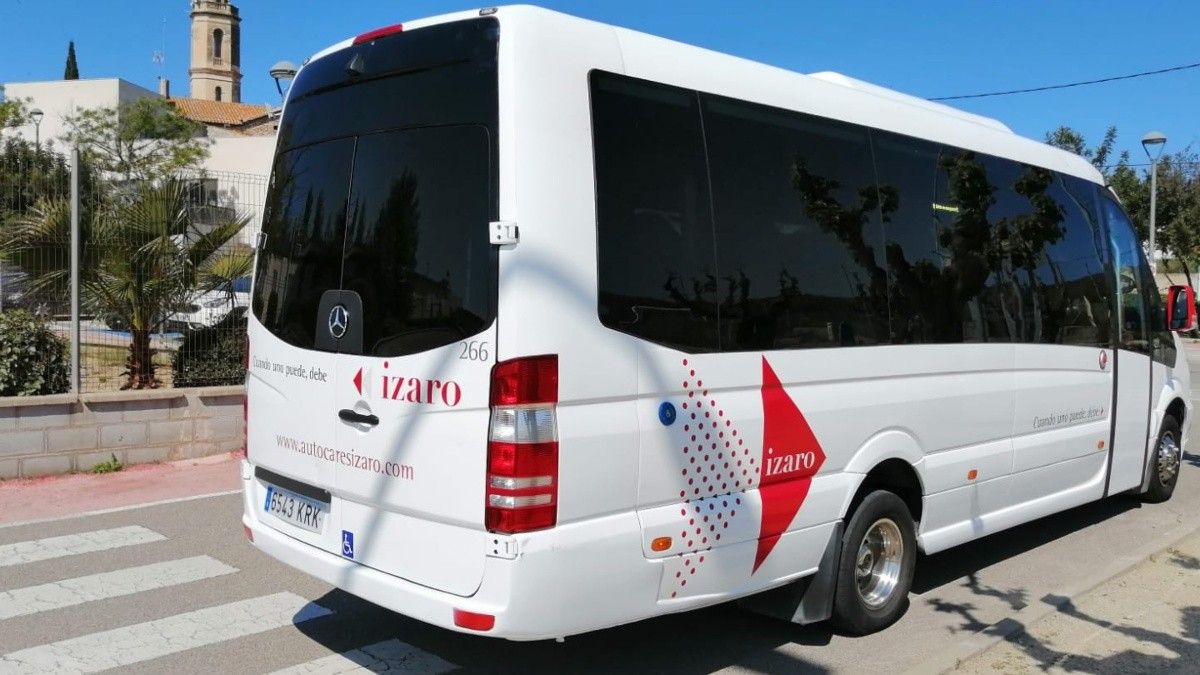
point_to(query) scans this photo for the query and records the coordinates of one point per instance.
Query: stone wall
(46, 435)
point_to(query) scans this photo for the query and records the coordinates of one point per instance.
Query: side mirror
(1181, 308)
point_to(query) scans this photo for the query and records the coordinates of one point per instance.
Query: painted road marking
(388, 656)
(71, 592)
(163, 637)
(36, 550)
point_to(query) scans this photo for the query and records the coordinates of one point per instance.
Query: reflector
(473, 620)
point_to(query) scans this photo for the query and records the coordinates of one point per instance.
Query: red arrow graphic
(358, 380)
(791, 456)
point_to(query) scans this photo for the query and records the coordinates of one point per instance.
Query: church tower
(216, 51)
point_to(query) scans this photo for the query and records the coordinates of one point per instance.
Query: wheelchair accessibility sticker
(348, 544)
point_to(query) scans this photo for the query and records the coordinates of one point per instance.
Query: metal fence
(163, 277)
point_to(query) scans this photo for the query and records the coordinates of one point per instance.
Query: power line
(1072, 84)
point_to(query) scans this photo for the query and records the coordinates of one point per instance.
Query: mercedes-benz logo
(339, 320)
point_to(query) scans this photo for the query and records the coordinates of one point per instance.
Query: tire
(884, 593)
(1164, 463)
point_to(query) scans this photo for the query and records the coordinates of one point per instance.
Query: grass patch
(103, 366)
(108, 466)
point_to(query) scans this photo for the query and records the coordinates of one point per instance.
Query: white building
(241, 136)
(59, 99)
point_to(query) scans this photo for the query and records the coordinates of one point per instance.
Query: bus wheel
(1164, 463)
(879, 553)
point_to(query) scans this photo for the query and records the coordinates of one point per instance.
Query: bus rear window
(384, 183)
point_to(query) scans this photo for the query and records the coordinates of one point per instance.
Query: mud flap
(807, 600)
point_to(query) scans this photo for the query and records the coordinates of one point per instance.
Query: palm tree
(142, 257)
(222, 271)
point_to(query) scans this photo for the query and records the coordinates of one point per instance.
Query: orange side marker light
(1100, 445)
(972, 474)
(660, 544)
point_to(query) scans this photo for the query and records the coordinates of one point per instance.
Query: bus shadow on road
(966, 561)
(700, 641)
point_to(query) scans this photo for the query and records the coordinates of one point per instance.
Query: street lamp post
(283, 71)
(36, 116)
(1155, 140)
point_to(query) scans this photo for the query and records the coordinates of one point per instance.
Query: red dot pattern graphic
(712, 454)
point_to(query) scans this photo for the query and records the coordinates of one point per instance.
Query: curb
(118, 509)
(948, 659)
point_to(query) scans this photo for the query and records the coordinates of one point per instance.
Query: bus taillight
(522, 462)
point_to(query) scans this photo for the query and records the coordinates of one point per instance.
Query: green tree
(1177, 221)
(221, 271)
(71, 72)
(142, 258)
(142, 140)
(1100, 156)
(1178, 203)
(13, 113)
(27, 175)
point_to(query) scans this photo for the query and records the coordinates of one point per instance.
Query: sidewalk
(55, 496)
(1145, 620)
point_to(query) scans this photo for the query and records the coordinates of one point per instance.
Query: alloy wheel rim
(878, 563)
(1168, 458)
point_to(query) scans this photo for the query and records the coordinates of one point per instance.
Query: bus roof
(827, 94)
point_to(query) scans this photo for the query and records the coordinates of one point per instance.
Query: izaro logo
(339, 321)
(413, 389)
(791, 456)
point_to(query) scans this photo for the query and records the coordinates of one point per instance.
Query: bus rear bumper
(585, 576)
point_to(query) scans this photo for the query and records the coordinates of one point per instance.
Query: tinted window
(798, 239)
(417, 249)
(1026, 222)
(443, 74)
(657, 278)
(1133, 333)
(972, 200)
(1073, 268)
(831, 234)
(420, 266)
(303, 227)
(920, 279)
(1142, 316)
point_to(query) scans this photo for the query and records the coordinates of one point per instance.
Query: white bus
(558, 326)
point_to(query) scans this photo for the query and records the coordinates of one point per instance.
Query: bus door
(1131, 397)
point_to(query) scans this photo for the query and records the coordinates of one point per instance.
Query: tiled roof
(264, 129)
(222, 113)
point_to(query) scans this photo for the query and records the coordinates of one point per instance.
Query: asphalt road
(175, 588)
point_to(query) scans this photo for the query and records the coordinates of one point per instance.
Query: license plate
(300, 511)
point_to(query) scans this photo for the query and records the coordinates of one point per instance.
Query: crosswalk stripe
(388, 656)
(162, 637)
(70, 592)
(37, 550)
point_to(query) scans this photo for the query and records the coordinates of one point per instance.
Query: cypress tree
(72, 70)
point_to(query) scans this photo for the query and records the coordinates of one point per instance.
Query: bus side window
(797, 230)
(657, 275)
(1162, 342)
(1127, 274)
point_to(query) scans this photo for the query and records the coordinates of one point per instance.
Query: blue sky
(925, 49)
